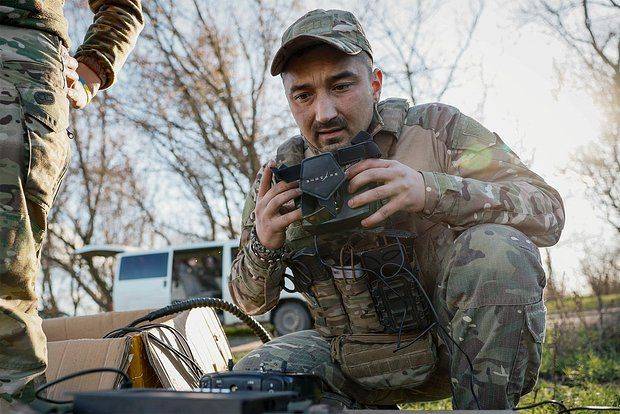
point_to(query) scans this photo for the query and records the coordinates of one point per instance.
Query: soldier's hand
(78, 95)
(400, 184)
(272, 216)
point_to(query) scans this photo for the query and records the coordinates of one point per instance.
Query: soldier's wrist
(262, 252)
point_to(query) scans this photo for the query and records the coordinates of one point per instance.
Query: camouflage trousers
(488, 296)
(34, 152)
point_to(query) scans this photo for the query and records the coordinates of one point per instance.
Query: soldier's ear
(376, 82)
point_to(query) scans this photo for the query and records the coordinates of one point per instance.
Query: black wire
(195, 369)
(125, 384)
(431, 326)
(590, 408)
(430, 303)
(117, 333)
(380, 277)
(564, 409)
(207, 302)
(178, 335)
(538, 404)
(443, 329)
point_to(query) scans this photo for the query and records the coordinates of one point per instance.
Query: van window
(197, 272)
(143, 266)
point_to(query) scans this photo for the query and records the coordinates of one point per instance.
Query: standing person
(38, 82)
(479, 214)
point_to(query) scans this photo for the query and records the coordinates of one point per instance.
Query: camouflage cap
(337, 28)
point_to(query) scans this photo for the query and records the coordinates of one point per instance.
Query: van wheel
(291, 317)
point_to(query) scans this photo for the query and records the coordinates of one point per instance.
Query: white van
(155, 278)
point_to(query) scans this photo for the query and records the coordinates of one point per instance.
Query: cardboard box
(75, 344)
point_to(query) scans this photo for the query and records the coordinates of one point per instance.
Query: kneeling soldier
(477, 211)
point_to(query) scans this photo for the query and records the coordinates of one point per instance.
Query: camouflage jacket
(109, 38)
(471, 177)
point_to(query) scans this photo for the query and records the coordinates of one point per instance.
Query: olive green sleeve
(254, 284)
(111, 37)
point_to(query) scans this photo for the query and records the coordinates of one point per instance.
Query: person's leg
(490, 299)
(34, 152)
(302, 352)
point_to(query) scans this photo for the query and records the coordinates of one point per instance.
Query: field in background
(583, 303)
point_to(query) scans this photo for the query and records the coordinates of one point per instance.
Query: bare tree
(602, 271)
(212, 111)
(590, 29)
(408, 53)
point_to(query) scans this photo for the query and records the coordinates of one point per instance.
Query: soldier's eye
(302, 97)
(343, 86)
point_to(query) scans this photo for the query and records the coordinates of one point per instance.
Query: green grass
(580, 394)
(243, 330)
(572, 304)
(586, 393)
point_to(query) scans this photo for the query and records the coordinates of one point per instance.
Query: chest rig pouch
(369, 303)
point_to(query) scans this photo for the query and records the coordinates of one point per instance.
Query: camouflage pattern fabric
(486, 287)
(338, 28)
(484, 181)
(34, 153)
(489, 296)
(109, 38)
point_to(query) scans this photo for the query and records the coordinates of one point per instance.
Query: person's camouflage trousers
(34, 151)
(488, 295)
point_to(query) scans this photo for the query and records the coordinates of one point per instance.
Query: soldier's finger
(71, 62)
(265, 180)
(71, 76)
(382, 214)
(279, 200)
(373, 194)
(280, 187)
(358, 167)
(373, 175)
(287, 219)
(287, 207)
(77, 96)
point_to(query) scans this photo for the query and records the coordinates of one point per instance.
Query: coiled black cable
(216, 303)
(126, 383)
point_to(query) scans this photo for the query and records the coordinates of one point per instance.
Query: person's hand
(77, 94)
(272, 212)
(400, 184)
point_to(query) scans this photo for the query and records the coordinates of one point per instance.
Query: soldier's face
(331, 95)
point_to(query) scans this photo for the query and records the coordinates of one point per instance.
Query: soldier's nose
(325, 111)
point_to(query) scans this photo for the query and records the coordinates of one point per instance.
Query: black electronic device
(306, 387)
(147, 401)
(322, 180)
